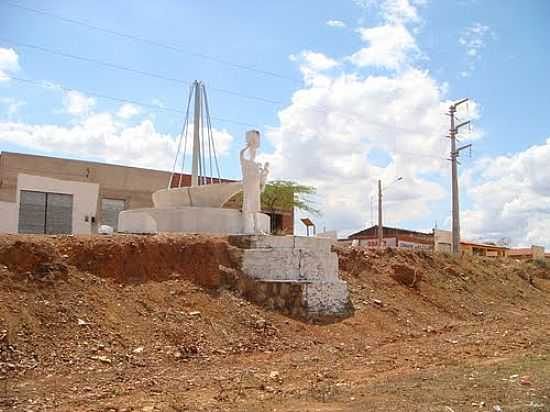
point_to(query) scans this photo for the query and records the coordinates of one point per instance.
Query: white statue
(254, 180)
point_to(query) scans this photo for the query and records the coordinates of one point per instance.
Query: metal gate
(45, 213)
(110, 209)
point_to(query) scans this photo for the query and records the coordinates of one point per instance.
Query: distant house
(393, 237)
(482, 249)
(528, 253)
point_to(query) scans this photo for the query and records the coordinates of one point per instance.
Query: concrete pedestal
(298, 275)
(186, 220)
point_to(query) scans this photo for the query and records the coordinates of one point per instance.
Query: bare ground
(132, 323)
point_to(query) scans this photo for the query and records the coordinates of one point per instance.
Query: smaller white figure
(254, 180)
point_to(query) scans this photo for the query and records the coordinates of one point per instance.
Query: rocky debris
(99, 342)
(524, 380)
(102, 358)
(405, 274)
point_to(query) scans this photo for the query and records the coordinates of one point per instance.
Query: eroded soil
(145, 323)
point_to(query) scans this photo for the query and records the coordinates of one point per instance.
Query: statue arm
(263, 176)
(242, 153)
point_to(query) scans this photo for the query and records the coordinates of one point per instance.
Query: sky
(344, 93)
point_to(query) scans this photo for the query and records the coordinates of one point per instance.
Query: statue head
(253, 139)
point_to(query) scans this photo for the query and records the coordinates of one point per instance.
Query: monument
(254, 179)
(199, 207)
(294, 274)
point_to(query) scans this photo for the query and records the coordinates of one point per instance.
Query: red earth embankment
(144, 323)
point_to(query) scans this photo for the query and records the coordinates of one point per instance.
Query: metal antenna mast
(196, 135)
(455, 153)
(201, 149)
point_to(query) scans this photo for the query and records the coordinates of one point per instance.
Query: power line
(175, 48)
(155, 43)
(134, 70)
(322, 109)
(153, 107)
(121, 100)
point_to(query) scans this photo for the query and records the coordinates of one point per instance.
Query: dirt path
(90, 324)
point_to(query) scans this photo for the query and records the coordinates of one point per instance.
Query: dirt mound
(37, 260)
(128, 259)
(21, 256)
(138, 323)
(405, 274)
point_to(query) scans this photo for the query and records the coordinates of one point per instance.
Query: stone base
(294, 274)
(187, 220)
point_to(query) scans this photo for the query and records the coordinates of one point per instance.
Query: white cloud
(511, 197)
(399, 11)
(9, 63)
(343, 131)
(390, 46)
(336, 24)
(394, 11)
(158, 102)
(128, 110)
(99, 136)
(313, 63)
(318, 61)
(331, 148)
(474, 39)
(76, 103)
(12, 105)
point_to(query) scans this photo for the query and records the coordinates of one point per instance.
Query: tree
(282, 195)
(287, 195)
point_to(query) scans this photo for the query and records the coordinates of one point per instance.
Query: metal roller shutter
(59, 213)
(49, 213)
(32, 212)
(110, 208)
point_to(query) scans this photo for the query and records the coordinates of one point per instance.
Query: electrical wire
(150, 42)
(135, 70)
(324, 110)
(173, 110)
(119, 100)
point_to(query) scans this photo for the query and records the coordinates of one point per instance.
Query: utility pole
(196, 135)
(455, 153)
(380, 227)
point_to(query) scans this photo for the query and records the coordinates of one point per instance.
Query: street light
(380, 227)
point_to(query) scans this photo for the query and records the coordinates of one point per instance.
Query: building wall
(401, 242)
(8, 217)
(475, 249)
(133, 185)
(85, 196)
(443, 241)
(372, 241)
(532, 253)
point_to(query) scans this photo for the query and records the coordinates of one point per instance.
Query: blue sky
(402, 59)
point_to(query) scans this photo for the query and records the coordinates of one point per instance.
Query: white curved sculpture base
(211, 195)
(187, 220)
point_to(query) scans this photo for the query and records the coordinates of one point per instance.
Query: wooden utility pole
(455, 152)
